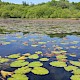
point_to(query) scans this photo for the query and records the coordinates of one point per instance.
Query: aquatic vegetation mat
(39, 57)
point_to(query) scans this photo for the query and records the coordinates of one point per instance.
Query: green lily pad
(18, 77)
(35, 64)
(70, 68)
(75, 77)
(34, 45)
(2, 60)
(14, 55)
(58, 64)
(23, 70)
(6, 43)
(77, 72)
(38, 52)
(40, 71)
(44, 59)
(19, 63)
(75, 63)
(34, 56)
(41, 42)
(61, 57)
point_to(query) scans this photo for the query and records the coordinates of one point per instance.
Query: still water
(30, 43)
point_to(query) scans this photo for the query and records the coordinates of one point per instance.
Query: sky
(33, 1)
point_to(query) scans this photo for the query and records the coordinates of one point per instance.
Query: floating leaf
(34, 56)
(34, 45)
(19, 63)
(22, 58)
(73, 55)
(23, 70)
(14, 55)
(61, 57)
(58, 64)
(75, 77)
(38, 52)
(35, 64)
(18, 77)
(5, 73)
(6, 43)
(41, 42)
(44, 59)
(76, 63)
(40, 71)
(77, 71)
(70, 68)
(2, 60)
(27, 54)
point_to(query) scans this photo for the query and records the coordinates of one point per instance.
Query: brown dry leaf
(22, 58)
(5, 73)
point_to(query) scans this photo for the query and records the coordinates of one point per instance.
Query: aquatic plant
(6, 43)
(58, 64)
(14, 55)
(75, 77)
(61, 57)
(27, 54)
(2, 60)
(23, 70)
(75, 63)
(34, 45)
(40, 71)
(21, 58)
(35, 64)
(5, 73)
(18, 77)
(19, 63)
(77, 71)
(38, 52)
(41, 42)
(34, 56)
(44, 59)
(70, 68)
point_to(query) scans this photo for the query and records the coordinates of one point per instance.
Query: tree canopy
(51, 9)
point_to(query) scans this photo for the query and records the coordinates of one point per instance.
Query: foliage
(58, 64)
(19, 63)
(51, 9)
(40, 71)
(35, 64)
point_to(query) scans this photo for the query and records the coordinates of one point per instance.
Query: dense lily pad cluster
(33, 63)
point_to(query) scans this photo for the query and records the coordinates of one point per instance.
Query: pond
(58, 55)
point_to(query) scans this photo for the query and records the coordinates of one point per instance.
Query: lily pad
(35, 64)
(75, 63)
(34, 56)
(14, 55)
(61, 57)
(23, 70)
(2, 60)
(44, 59)
(40, 71)
(5, 73)
(38, 52)
(77, 72)
(18, 77)
(19, 63)
(70, 68)
(58, 64)
(75, 77)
